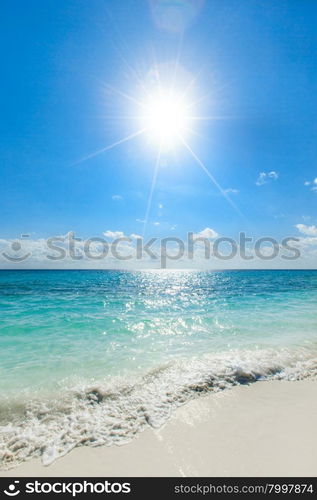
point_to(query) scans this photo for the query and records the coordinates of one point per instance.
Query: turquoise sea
(94, 357)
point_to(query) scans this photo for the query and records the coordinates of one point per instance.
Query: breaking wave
(114, 410)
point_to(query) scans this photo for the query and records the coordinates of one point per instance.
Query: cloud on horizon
(208, 233)
(307, 230)
(43, 256)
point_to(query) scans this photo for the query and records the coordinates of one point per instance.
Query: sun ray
(177, 59)
(166, 117)
(211, 177)
(125, 46)
(198, 101)
(211, 117)
(190, 84)
(202, 98)
(157, 73)
(153, 184)
(124, 95)
(119, 117)
(110, 146)
(194, 132)
(133, 72)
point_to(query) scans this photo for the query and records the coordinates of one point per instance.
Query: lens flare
(175, 15)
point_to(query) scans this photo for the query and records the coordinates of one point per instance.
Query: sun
(165, 108)
(165, 118)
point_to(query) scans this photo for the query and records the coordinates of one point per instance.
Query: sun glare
(167, 109)
(165, 118)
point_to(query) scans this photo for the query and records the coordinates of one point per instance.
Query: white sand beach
(265, 429)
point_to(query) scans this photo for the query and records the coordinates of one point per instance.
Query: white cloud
(265, 177)
(41, 254)
(114, 234)
(308, 230)
(208, 233)
(231, 191)
(279, 216)
(120, 234)
(273, 175)
(156, 223)
(312, 183)
(306, 218)
(117, 197)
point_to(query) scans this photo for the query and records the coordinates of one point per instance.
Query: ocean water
(94, 357)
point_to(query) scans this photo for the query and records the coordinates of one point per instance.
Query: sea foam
(112, 411)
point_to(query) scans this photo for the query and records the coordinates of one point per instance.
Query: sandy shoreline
(266, 429)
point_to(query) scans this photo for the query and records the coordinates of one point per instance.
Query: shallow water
(92, 357)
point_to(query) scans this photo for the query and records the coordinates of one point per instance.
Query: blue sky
(254, 65)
